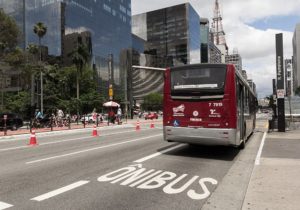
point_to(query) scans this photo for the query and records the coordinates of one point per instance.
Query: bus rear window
(198, 79)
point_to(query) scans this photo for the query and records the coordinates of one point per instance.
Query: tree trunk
(77, 87)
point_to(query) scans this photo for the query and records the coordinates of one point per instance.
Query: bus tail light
(169, 119)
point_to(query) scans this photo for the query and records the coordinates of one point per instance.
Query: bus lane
(188, 174)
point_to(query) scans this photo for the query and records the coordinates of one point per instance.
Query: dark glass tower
(103, 25)
(162, 38)
(172, 33)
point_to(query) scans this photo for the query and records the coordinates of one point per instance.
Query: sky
(250, 27)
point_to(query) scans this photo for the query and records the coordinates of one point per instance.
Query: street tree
(9, 34)
(40, 30)
(80, 56)
(153, 102)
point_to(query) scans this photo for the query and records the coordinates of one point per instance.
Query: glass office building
(15, 9)
(171, 33)
(162, 38)
(103, 25)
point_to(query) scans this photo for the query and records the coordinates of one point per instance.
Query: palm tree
(80, 56)
(40, 30)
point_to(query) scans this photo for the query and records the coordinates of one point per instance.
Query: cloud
(256, 46)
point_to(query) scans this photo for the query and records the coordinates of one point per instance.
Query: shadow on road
(206, 152)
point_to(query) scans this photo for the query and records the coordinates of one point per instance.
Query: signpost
(280, 83)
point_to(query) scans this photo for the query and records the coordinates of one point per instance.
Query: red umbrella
(111, 104)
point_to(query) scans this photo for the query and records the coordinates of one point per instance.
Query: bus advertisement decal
(179, 111)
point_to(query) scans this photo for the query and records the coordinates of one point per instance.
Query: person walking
(119, 115)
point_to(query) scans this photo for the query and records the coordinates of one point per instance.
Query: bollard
(30, 125)
(69, 122)
(5, 128)
(51, 123)
(84, 121)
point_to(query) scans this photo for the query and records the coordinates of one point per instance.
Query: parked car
(13, 121)
(88, 118)
(151, 116)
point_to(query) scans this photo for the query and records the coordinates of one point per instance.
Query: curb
(54, 133)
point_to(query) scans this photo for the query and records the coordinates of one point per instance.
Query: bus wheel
(243, 144)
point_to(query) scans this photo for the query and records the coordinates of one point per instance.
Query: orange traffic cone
(94, 131)
(137, 127)
(32, 141)
(152, 124)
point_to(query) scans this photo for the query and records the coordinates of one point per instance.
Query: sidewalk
(275, 182)
(74, 127)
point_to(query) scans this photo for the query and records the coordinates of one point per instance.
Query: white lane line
(61, 141)
(92, 149)
(59, 191)
(13, 148)
(4, 205)
(257, 159)
(158, 153)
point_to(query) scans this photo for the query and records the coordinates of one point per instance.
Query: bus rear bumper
(205, 136)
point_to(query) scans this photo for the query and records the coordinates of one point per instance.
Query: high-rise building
(162, 38)
(105, 26)
(204, 39)
(296, 56)
(215, 54)
(16, 10)
(172, 33)
(289, 89)
(235, 59)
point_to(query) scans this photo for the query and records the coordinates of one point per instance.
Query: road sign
(280, 93)
(110, 92)
(5, 117)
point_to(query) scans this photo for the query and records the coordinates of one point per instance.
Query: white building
(289, 83)
(296, 56)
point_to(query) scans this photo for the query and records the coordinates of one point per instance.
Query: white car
(89, 118)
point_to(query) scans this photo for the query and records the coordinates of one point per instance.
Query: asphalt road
(123, 169)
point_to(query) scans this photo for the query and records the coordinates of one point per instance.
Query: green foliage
(271, 101)
(40, 29)
(9, 33)
(17, 103)
(297, 91)
(153, 102)
(15, 58)
(80, 56)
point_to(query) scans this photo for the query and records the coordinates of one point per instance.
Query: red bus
(208, 104)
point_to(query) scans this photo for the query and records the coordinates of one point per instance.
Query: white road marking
(13, 148)
(158, 153)
(92, 149)
(59, 191)
(61, 141)
(4, 205)
(257, 159)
